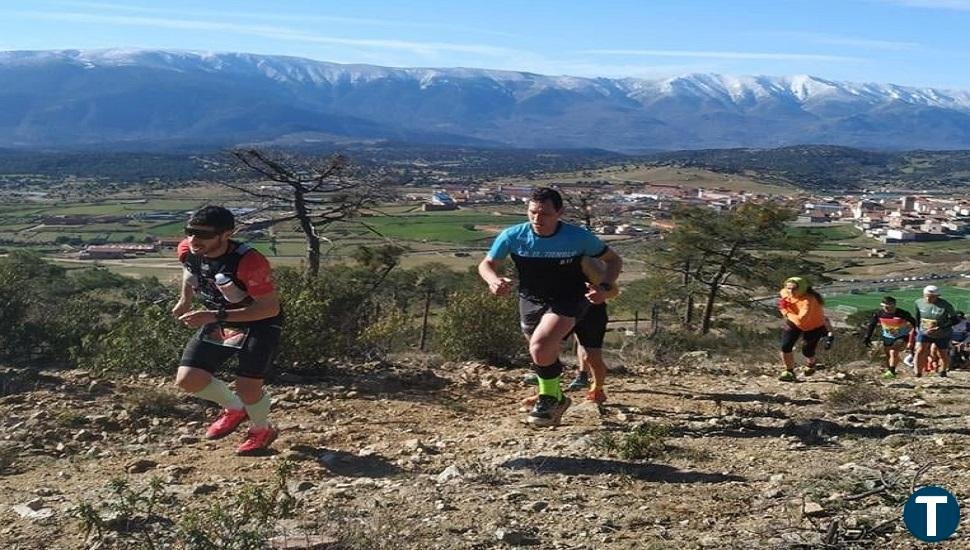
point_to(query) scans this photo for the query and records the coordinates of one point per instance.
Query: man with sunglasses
(241, 316)
(897, 333)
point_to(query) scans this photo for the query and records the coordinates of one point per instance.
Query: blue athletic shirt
(550, 268)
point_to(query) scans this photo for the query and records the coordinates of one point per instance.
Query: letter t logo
(931, 502)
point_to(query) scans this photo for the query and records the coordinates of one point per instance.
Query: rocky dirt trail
(407, 456)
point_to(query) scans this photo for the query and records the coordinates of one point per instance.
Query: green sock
(218, 392)
(259, 412)
(550, 386)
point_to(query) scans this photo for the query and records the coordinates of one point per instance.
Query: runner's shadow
(814, 431)
(946, 389)
(755, 397)
(595, 466)
(370, 379)
(346, 464)
(14, 381)
(734, 397)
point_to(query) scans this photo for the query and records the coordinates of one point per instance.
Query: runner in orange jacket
(802, 308)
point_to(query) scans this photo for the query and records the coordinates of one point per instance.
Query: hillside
(425, 455)
(831, 167)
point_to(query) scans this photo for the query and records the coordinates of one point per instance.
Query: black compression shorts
(810, 339)
(256, 350)
(591, 329)
(531, 310)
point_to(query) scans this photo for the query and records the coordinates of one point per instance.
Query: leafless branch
(921, 471)
(252, 193)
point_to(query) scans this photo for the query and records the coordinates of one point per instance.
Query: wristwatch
(221, 314)
(606, 287)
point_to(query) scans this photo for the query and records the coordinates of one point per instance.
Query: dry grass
(857, 395)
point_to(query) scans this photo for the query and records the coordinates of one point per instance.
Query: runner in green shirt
(935, 318)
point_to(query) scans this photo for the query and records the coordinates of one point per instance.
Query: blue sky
(910, 42)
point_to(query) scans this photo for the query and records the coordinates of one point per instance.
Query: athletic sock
(550, 386)
(218, 392)
(259, 412)
(549, 377)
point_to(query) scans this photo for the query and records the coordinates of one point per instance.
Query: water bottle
(232, 293)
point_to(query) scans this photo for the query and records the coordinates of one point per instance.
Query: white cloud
(849, 41)
(725, 55)
(271, 32)
(267, 16)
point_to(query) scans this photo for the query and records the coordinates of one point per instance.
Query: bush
(478, 325)
(47, 311)
(150, 402)
(393, 331)
(846, 349)
(325, 317)
(244, 523)
(147, 517)
(645, 441)
(145, 339)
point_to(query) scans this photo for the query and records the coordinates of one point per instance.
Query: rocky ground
(702, 453)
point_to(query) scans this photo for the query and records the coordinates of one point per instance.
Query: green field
(458, 226)
(829, 233)
(959, 297)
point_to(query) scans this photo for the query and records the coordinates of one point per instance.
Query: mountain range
(149, 99)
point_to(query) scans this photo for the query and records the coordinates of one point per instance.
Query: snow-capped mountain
(71, 97)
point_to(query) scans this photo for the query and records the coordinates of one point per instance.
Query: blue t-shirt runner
(550, 267)
(553, 290)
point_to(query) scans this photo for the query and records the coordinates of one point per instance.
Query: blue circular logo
(931, 514)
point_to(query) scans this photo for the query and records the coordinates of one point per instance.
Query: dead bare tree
(310, 191)
(583, 204)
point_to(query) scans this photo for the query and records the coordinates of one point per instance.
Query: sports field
(959, 297)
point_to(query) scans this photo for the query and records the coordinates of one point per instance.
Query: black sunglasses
(201, 233)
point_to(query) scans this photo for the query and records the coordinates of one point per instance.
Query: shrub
(144, 339)
(394, 330)
(47, 311)
(244, 523)
(325, 316)
(644, 441)
(150, 402)
(147, 517)
(846, 349)
(477, 325)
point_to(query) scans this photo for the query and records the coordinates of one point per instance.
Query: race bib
(927, 324)
(230, 337)
(893, 332)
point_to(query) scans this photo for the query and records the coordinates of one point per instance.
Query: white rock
(813, 509)
(25, 511)
(448, 474)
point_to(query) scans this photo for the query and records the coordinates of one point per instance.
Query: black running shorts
(531, 310)
(810, 338)
(591, 329)
(256, 351)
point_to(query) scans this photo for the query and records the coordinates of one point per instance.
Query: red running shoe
(257, 440)
(228, 421)
(596, 396)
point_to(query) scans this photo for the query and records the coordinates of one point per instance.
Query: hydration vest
(201, 274)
